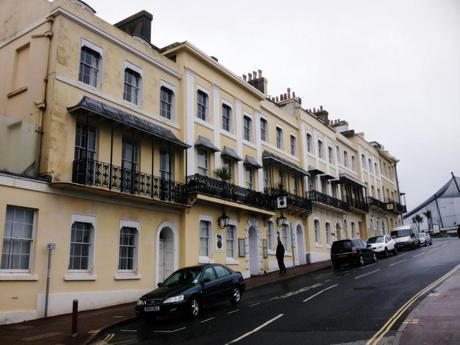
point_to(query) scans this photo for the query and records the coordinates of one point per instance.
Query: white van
(406, 236)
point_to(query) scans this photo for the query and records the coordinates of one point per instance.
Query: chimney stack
(137, 25)
(244, 77)
(249, 77)
(288, 93)
(257, 80)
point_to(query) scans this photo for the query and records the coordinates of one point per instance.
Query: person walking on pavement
(280, 257)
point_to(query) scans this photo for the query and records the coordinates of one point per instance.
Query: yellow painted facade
(77, 151)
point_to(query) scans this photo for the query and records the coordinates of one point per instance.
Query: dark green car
(189, 289)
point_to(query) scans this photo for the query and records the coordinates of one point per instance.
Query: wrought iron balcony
(111, 177)
(293, 200)
(395, 207)
(199, 184)
(359, 205)
(316, 196)
(376, 203)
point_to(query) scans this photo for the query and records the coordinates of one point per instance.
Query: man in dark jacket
(280, 257)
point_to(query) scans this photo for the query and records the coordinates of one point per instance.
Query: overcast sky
(389, 67)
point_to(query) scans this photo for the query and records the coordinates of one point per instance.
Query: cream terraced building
(109, 148)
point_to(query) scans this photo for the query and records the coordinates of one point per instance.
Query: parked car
(382, 245)
(353, 252)
(405, 237)
(425, 238)
(188, 289)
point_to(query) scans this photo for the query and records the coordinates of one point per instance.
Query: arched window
(328, 233)
(317, 231)
(270, 236)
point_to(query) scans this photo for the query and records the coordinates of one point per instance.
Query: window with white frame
(337, 150)
(320, 149)
(202, 105)
(376, 168)
(370, 165)
(266, 178)
(18, 238)
(132, 86)
(227, 164)
(247, 128)
(205, 238)
(90, 64)
(231, 241)
(328, 233)
(345, 158)
(330, 155)
(285, 232)
(249, 178)
(309, 143)
(202, 157)
(85, 142)
(363, 161)
(226, 117)
(271, 235)
(295, 187)
(279, 138)
(128, 249)
(353, 163)
(81, 242)
(293, 145)
(263, 129)
(317, 230)
(166, 102)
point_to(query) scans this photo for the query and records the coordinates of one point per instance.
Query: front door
(253, 251)
(165, 254)
(300, 246)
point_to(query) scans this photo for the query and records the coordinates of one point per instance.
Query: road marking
(411, 321)
(304, 289)
(434, 294)
(106, 339)
(253, 305)
(233, 311)
(366, 274)
(170, 331)
(128, 330)
(319, 293)
(327, 280)
(392, 320)
(396, 263)
(255, 329)
(400, 255)
(418, 255)
(211, 318)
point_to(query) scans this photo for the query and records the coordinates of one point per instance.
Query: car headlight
(140, 302)
(174, 299)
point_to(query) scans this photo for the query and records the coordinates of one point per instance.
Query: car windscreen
(341, 246)
(376, 239)
(182, 277)
(400, 233)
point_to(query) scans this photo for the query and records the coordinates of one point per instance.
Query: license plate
(155, 308)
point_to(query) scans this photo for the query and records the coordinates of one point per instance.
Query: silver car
(425, 239)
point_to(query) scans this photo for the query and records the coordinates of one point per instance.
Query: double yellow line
(392, 320)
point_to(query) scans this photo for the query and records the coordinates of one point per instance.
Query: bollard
(74, 317)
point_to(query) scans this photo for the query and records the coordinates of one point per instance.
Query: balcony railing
(125, 180)
(293, 200)
(199, 184)
(357, 204)
(400, 208)
(328, 200)
(377, 203)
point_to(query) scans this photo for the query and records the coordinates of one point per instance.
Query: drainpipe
(41, 104)
(397, 188)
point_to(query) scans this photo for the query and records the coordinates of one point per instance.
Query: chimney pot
(260, 73)
(249, 76)
(244, 77)
(277, 99)
(289, 92)
(293, 94)
(321, 108)
(254, 75)
(285, 96)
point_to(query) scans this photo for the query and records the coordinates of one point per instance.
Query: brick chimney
(258, 81)
(322, 114)
(139, 25)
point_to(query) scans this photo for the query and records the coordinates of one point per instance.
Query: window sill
(16, 92)
(231, 261)
(15, 276)
(249, 144)
(204, 260)
(317, 245)
(127, 276)
(228, 134)
(77, 276)
(203, 123)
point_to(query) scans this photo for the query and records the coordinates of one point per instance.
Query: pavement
(436, 320)
(56, 330)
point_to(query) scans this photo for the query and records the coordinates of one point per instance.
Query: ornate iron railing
(293, 200)
(396, 207)
(357, 204)
(377, 203)
(99, 174)
(316, 196)
(225, 190)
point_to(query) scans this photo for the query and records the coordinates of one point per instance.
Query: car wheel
(374, 256)
(236, 296)
(395, 251)
(386, 253)
(194, 307)
(361, 260)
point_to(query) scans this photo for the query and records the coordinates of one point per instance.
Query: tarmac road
(325, 307)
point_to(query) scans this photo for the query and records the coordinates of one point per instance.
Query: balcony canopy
(89, 106)
(251, 161)
(206, 144)
(271, 158)
(345, 178)
(230, 153)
